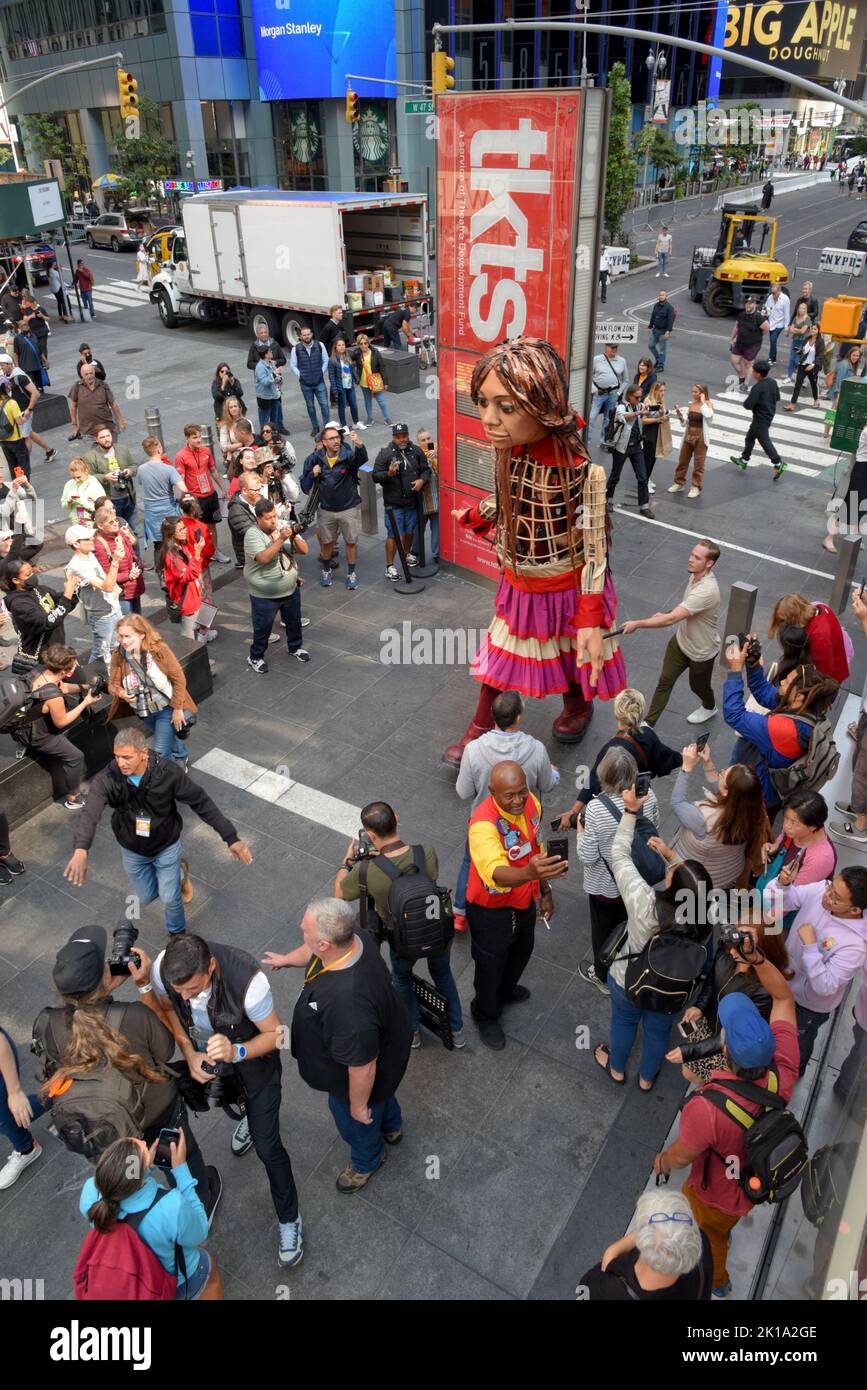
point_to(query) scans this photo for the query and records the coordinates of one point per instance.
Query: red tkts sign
(507, 180)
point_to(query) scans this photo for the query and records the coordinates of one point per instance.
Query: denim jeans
(603, 403)
(406, 519)
(794, 359)
(658, 346)
(311, 395)
(441, 973)
(365, 1141)
(655, 1028)
(125, 508)
(158, 876)
(87, 300)
(662, 262)
(166, 741)
(773, 339)
(20, 1139)
(130, 605)
(392, 337)
(267, 411)
(264, 612)
(102, 633)
(460, 898)
(369, 398)
(347, 397)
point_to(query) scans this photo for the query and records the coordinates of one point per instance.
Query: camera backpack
(420, 920)
(18, 704)
(118, 1264)
(92, 1110)
(776, 1150)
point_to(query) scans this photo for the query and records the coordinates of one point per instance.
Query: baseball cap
(74, 534)
(79, 965)
(749, 1039)
(4, 357)
(83, 346)
(331, 425)
(400, 429)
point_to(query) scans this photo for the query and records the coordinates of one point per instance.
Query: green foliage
(46, 136)
(140, 162)
(621, 170)
(655, 142)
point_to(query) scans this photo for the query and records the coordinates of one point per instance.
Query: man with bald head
(508, 871)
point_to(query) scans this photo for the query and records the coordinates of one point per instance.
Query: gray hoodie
(480, 756)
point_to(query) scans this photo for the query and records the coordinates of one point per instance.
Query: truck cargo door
(227, 247)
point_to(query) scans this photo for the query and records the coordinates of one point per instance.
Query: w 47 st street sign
(419, 108)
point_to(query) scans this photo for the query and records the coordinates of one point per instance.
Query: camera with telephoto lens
(753, 646)
(98, 684)
(743, 941)
(123, 940)
(216, 1089)
(364, 849)
(189, 720)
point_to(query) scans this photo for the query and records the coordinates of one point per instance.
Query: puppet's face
(504, 423)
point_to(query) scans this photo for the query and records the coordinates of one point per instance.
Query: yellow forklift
(722, 276)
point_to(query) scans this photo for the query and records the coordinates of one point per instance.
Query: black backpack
(825, 1181)
(776, 1149)
(420, 920)
(18, 704)
(612, 425)
(662, 976)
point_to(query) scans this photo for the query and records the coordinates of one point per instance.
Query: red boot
(452, 754)
(571, 726)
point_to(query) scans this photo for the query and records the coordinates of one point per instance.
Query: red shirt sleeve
(787, 1057)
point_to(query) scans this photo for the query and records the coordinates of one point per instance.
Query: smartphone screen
(701, 741)
(163, 1156)
(685, 1029)
(642, 784)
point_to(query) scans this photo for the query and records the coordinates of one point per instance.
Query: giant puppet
(555, 600)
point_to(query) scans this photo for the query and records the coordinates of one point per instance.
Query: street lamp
(656, 65)
(581, 7)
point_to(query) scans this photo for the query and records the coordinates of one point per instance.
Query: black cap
(82, 347)
(80, 964)
(400, 429)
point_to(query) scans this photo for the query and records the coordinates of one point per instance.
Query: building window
(44, 27)
(375, 144)
(216, 26)
(299, 144)
(228, 154)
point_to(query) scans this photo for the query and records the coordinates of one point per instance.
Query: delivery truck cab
(283, 259)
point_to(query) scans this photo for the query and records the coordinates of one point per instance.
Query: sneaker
(260, 665)
(842, 806)
(12, 865)
(779, 471)
(651, 488)
(788, 381)
(845, 832)
(16, 1163)
(459, 1039)
(223, 559)
(215, 1192)
(647, 511)
(412, 561)
(186, 886)
(5, 876)
(588, 973)
(658, 273)
(242, 1139)
(350, 1181)
(701, 715)
(291, 1248)
(676, 487)
(352, 580)
(393, 1138)
(723, 1291)
(74, 804)
(71, 437)
(275, 637)
(491, 1035)
(210, 635)
(359, 426)
(325, 579)
(301, 655)
(665, 275)
(305, 622)
(52, 454)
(738, 462)
(693, 493)
(391, 573)
(416, 1039)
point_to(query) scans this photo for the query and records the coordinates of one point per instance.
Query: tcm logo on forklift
(501, 311)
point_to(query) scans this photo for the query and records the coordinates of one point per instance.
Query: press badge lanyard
(325, 968)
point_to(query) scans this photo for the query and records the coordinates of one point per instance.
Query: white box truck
(263, 255)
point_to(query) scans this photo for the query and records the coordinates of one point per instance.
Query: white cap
(74, 534)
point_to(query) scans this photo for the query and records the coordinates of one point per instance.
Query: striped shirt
(594, 845)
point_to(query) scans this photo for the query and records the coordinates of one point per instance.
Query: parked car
(39, 257)
(858, 238)
(119, 230)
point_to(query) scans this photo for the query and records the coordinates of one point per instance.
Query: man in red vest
(509, 870)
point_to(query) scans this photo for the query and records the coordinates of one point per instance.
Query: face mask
(31, 582)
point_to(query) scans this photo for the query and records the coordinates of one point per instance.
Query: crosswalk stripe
(126, 290)
(723, 454)
(732, 442)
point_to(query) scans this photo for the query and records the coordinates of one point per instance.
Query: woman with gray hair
(616, 771)
(665, 1256)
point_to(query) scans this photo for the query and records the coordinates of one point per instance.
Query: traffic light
(127, 89)
(442, 67)
(351, 106)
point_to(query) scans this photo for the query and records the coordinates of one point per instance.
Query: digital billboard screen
(305, 48)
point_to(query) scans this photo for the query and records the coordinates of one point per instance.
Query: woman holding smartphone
(167, 1220)
(728, 827)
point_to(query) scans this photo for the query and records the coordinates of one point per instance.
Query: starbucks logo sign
(304, 138)
(370, 135)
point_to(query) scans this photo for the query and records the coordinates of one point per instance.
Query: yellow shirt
(486, 847)
(12, 411)
(365, 368)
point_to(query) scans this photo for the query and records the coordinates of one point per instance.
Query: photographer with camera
(402, 471)
(90, 1034)
(42, 738)
(37, 612)
(221, 1010)
(333, 470)
(147, 679)
(99, 593)
(115, 463)
(364, 876)
(144, 792)
(273, 582)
